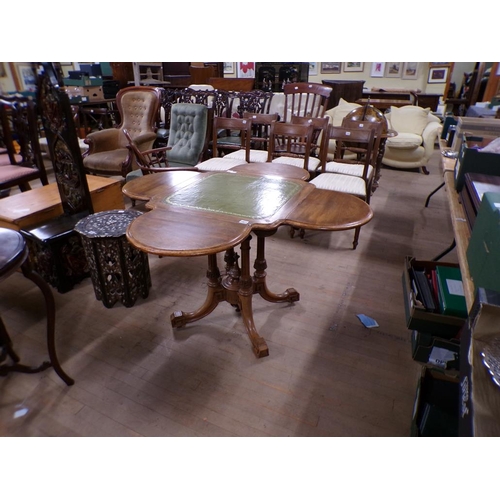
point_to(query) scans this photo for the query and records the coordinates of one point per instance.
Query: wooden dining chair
(319, 126)
(290, 144)
(362, 141)
(23, 161)
(55, 249)
(352, 152)
(240, 126)
(259, 139)
(305, 99)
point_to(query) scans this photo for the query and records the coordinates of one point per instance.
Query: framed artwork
(393, 69)
(313, 68)
(26, 77)
(438, 74)
(353, 66)
(330, 67)
(228, 67)
(246, 70)
(378, 69)
(410, 71)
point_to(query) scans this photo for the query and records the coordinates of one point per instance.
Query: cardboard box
(471, 159)
(483, 252)
(76, 82)
(436, 407)
(417, 317)
(479, 375)
(93, 93)
(435, 351)
(474, 126)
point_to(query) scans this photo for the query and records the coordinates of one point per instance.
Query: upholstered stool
(14, 256)
(118, 270)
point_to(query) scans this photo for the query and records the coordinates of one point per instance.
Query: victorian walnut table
(205, 213)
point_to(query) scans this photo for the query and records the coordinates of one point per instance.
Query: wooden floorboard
(327, 375)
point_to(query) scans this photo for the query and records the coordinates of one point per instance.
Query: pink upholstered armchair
(108, 153)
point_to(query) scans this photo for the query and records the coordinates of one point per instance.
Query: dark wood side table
(13, 256)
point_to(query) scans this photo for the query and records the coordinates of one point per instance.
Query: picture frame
(246, 70)
(438, 74)
(228, 67)
(26, 78)
(410, 71)
(353, 67)
(330, 67)
(313, 68)
(393, 69)
(378, 69)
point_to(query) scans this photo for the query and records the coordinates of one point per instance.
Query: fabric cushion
(343, 183)
(219, 164)
(339, 112)
(404, 140)
(347, 168)
(188, 125)
(256, 155)
(298, 162)
(412, 119)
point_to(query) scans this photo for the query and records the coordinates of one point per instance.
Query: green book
(451, 291)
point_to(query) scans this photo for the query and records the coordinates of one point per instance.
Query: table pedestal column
(237, 287)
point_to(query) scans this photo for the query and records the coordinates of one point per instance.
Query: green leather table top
(239, 195)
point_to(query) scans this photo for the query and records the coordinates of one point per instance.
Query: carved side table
(118, 270)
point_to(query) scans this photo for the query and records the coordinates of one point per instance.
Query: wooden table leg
(51, 320)
(245, 294)
(259, 277)
(215, 294)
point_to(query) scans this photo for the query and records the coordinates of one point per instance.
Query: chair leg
(424, 170)
(356, 238)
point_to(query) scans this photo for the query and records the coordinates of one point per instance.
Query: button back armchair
(108, 153)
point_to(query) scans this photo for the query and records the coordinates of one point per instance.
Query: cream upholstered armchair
(417, 130)
(108, 153)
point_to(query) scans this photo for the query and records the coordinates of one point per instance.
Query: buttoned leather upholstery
(108, 153)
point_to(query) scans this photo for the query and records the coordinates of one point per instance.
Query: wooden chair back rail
(361, 140)
(306, 99)
(241, 125)
(290, 139)
(319, 126)
(377, 127)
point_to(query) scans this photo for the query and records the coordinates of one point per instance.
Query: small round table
(14, 255)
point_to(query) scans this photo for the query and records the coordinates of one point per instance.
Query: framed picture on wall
(228, 67)
(313, 68)
(410, 71)
(393, 69)
(378, 69)
(330, 67)
(438, 74)
(26, 77)
(353, 66)
(246, 70)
